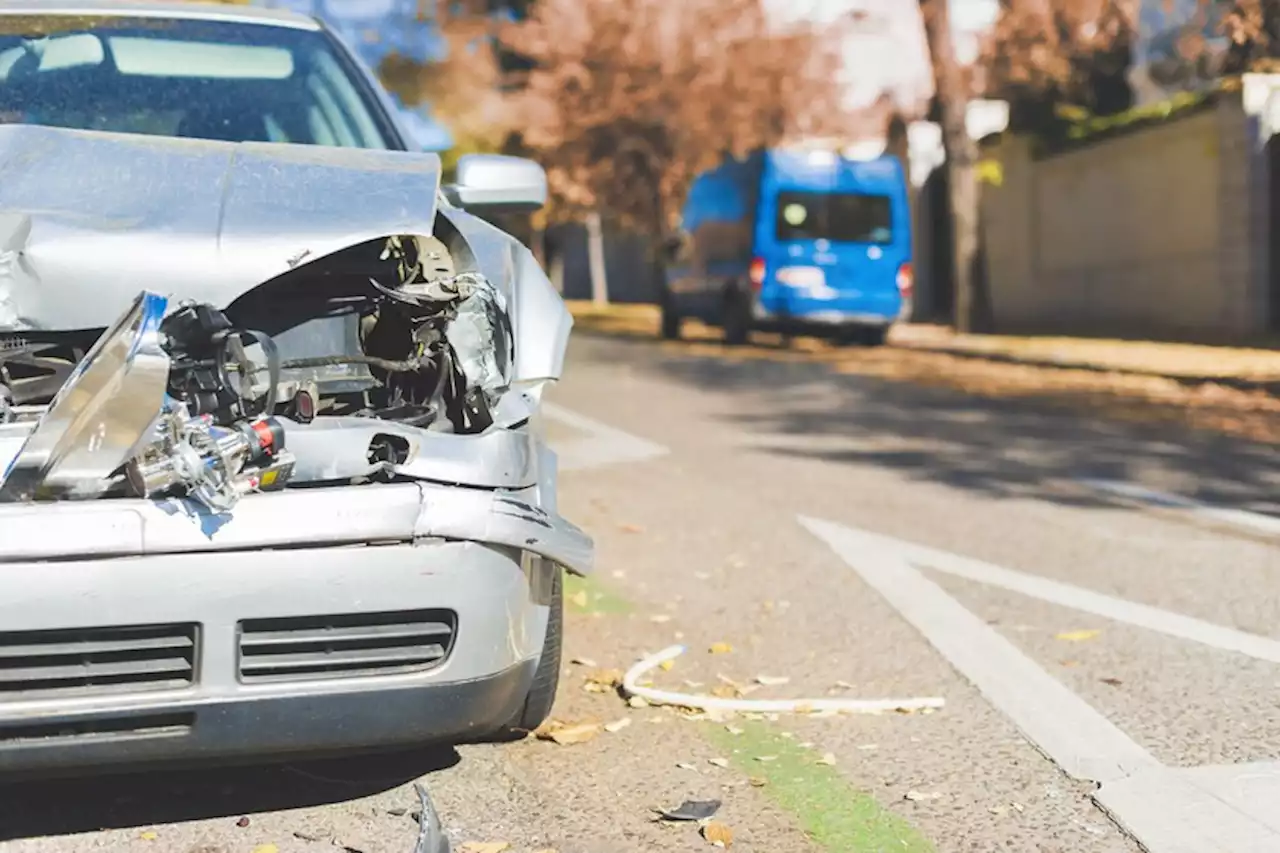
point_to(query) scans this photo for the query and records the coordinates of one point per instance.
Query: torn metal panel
(334, 449)
(87, 219)
(539, 318)
(96, 422)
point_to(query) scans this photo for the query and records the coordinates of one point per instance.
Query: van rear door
(839, 251)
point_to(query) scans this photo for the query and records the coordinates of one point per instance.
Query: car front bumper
(154, 653)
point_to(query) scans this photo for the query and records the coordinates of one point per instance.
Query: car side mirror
(496, 183)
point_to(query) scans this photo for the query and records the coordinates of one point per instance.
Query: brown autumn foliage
(1045, 53)
(464, 88)
(1050, 52)
(627, 100)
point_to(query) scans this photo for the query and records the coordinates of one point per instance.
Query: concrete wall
(1161, 232)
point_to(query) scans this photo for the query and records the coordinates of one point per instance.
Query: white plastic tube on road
(758, 706)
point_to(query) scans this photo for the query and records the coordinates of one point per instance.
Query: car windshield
(838, 217)
(238, 82)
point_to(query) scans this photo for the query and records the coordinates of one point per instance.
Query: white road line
(1167, 810)
(1252, 788)
(1084, 600)
(1167, 813)
(1256, 522)
(1079, 739)
(602, 445)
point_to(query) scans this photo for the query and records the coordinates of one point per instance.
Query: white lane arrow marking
(1167, 810)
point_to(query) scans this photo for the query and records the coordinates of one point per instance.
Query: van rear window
(838, 217)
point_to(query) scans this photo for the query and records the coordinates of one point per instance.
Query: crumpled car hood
(87, 219)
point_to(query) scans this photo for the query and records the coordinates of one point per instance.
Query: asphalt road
(1109, 657)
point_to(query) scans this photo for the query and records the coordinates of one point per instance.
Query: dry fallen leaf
(266, 848)
(484, 847)
(583, 662)
(1113, 682)
(685, 766)
(565, 734)
(771, 680)
(718, 762)
(1078, 636)
(720, 648)
(757, 781)
(829, 759)
(733, 730)
(149, 836)
(726, 691)
(602, 680)
(766, 758)
(667, 665)
(917, 796)
(718, 834)
(631, 528)
(579, 599)
(617, 725)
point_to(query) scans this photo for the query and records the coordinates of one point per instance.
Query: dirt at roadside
(1233, 391)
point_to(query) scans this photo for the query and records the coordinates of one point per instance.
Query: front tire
(671, 319)
(863, 336)
(736, 320)
(546, 678)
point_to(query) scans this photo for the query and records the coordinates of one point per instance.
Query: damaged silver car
(295, 497)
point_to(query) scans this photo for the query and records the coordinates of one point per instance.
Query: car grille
(91, 661)
(348, 645)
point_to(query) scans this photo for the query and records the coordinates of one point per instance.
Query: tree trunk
(595, 260)
(961, 159)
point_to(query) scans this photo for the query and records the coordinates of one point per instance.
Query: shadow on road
(1023, 448)
(86, 804)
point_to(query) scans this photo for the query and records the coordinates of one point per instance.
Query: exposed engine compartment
(353, 355)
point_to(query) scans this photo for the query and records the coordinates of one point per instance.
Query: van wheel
(862, 336)
(546, 678)
(671, 319)
(874, 336)
(736, 321)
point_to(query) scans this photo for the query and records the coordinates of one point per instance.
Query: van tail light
(756, 273)
(906, 281)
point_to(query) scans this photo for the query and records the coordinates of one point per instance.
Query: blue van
(793, 240)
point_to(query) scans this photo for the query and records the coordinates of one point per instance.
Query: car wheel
(862, 336)
(873, 336)
(736, 321)
(546, 678)
(671, 319)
